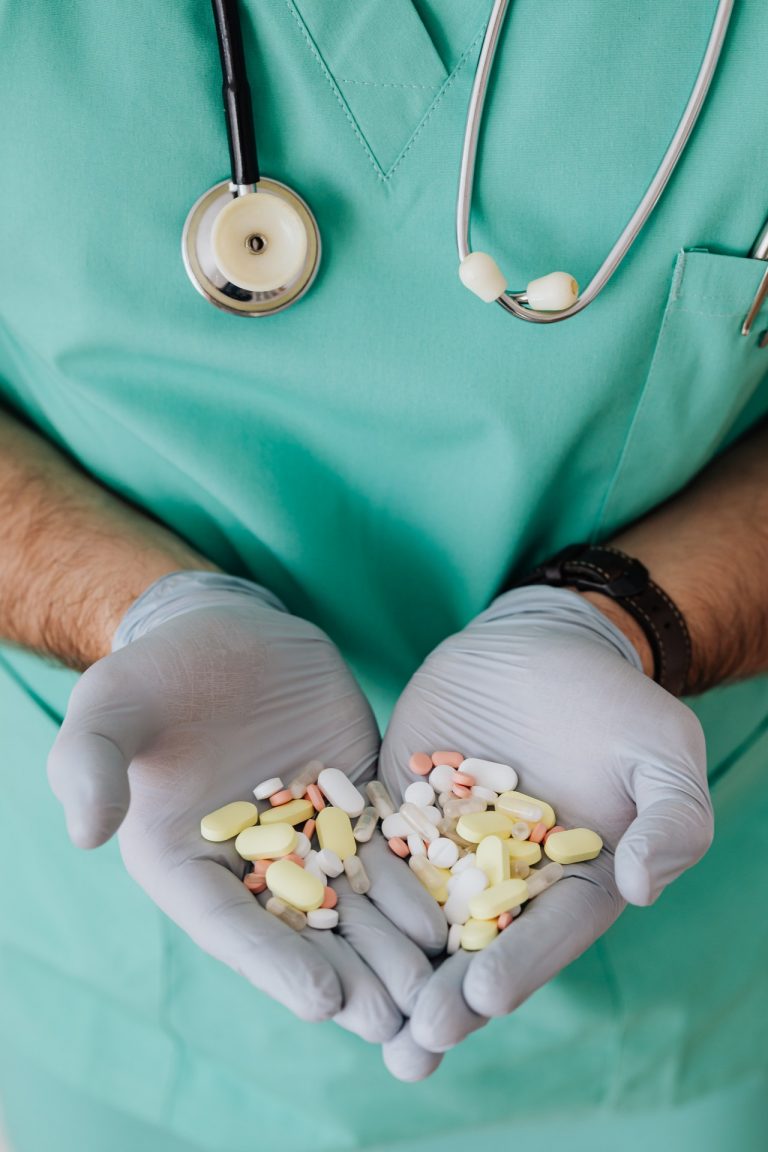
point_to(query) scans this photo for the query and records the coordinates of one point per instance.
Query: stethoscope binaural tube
(250, 245)
(555, 297)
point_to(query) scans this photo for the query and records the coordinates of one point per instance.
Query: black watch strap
(600, 568)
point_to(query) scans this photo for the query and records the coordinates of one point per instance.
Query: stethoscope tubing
(510, 301)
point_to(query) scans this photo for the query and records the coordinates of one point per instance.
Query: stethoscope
(251, 245)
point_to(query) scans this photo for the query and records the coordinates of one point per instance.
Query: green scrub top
(379, 455)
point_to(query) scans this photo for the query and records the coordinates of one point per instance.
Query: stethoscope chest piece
(252, 254)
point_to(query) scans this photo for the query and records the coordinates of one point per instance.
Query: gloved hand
(211, 688)
(543, 681)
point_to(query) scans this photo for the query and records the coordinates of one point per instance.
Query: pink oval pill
(296, 859)
(281, 797)
(309, 829)
(548, 833)
(254, 883)
(462, 792)
(330, 898)
(504, 920)
(537, 833)
(399, 847)
(455, 759)
(465, 779)
(315, 797)
(420, 763)
(260, 867)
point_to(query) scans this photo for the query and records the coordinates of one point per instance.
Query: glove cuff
(181, 592)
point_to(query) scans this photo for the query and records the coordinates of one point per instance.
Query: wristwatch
(600, 568)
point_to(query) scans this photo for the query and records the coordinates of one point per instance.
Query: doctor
(249, 534)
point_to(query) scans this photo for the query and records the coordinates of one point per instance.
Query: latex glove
(213, 688)
(543, 681)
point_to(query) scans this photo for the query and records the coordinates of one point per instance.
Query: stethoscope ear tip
(552, 293)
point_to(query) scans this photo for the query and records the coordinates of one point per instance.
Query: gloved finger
(367, 1010)
(406, 1059)
(442, 1018)
(400, 965)
(554, 929)
(673, 829)
(402, 898)
(214, 907)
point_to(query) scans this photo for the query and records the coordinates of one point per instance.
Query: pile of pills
(322, 800)
(468, 836)
(472, 841)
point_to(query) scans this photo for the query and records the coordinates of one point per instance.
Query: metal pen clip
(759, 252)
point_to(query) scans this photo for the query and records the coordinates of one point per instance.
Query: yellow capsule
(477, 825)
(477, 934)
(573, 846)
(334, 831)
(294, 812)
(229, 821)
(294, 885)
(266, 843)
(490, 904)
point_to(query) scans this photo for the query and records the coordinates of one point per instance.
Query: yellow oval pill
(492, 857)
(294, 885)
(524, 850)
(475, 826)
(573, 846)
(334, 831)
(229, 821)
(294, 812)
(500, 898)
(518, 806)
(266, 843)
(477, 934)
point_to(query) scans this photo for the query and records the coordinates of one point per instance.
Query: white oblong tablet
(489, 774)
(340, 791)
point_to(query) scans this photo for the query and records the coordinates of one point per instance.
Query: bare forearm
(708, 549)
(73, 556)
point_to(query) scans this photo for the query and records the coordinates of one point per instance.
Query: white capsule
(307, 776)
(323, 918)
(441, 777)
(303, 845)
(365, 825)
(419, 793)
(268, 788)
(380, 798)
(433, 814)
(520, 830)
(461, 889)
(454, 939)
(481, 274)
(443, 852)
(539, 879)
(486, 794)
(552, 293)
(311, 865)
(340, 791)
(290, 916)
(329, 862)
(455, 808)
(489, 774)
(416, 844)
(357, 875)
(395, 825)
(464, 862)
(418, 822)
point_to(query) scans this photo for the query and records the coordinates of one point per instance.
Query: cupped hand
(215, 687)
(544, 682)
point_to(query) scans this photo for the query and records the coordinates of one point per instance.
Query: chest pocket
(701, 377)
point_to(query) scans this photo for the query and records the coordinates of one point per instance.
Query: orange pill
(315, 797)
(330, 899)
(284, 796)
(548, 833)
(260, 867)
(296, 859)
(309, 829)
(538, 833)
(399, 847)
(461, 791)
(455, 759)
(504, 920)
(254, 882)
(465, 779)
(420, 763)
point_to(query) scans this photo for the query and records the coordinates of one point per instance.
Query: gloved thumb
(672, 831)
(88, 763)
